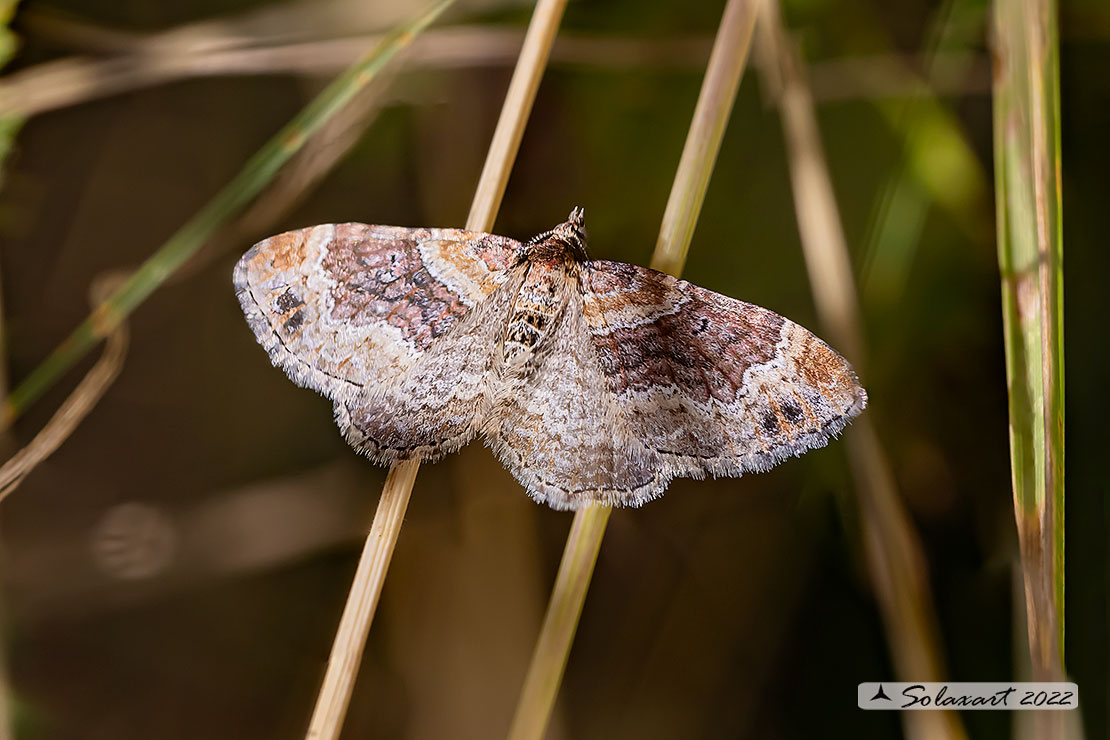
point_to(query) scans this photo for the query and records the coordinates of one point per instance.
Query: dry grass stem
(73, 80)
(894, 555)
(722, 78)
(830, 267)
(354, 626)
(65, 82)
(703, 140)
(514, 113)
(549, 659)
(268, 24)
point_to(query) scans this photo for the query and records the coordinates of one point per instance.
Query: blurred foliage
(715, 610)
(9, 44)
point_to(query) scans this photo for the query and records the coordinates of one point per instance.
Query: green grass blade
(1030, 258)
(258, 172)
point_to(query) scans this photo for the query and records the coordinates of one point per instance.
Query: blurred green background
(178, 567)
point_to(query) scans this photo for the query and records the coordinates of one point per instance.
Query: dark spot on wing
(287, 301)
(792, 412)
(293, 322)
(769, 422)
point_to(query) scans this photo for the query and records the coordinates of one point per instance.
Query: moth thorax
(537, 307)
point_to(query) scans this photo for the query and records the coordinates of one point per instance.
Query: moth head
(572, 232)
(577, 217)
(568, 237)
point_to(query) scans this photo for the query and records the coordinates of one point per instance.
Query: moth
(591, 380)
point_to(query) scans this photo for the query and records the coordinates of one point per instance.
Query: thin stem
(514, 113)
(824, 246)
(69, 415)
(358, 614)
(549, 660)
(354, 625)
(703, 140)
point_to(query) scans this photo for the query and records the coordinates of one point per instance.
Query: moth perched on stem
(593, 381)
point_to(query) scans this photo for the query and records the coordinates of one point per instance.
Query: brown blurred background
(177, 568)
